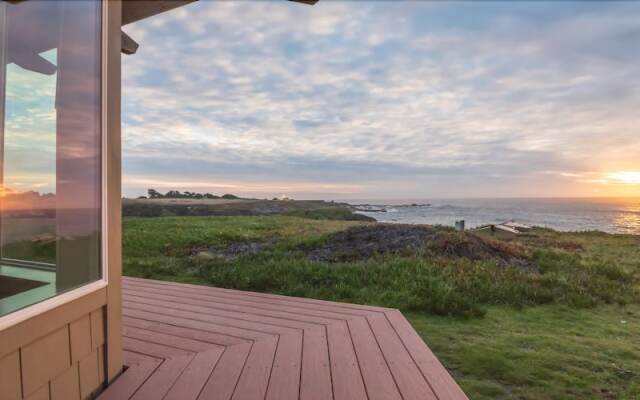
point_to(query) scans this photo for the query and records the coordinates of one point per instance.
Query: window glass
(50, 149)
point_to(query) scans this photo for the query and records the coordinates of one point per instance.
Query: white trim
(41, 307)
(104, 56)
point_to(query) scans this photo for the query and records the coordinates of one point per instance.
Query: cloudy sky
(380, 99)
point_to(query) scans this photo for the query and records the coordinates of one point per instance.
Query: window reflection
(50, 149)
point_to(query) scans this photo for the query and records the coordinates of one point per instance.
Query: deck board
(195, 376)
(193, 342)
(346, 376)
(254, 379)
(375, 371)
(215, 307)
(284, 383)
(163, 378)
(224, 379)
(315, 381)
(408, 378)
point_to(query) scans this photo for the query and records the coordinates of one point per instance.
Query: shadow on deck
(187, 342)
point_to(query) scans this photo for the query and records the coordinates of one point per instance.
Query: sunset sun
(625, 177)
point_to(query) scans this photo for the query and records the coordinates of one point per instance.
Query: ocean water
(613, 215)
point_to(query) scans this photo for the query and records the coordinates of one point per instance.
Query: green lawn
(571, 330)
(543, 352)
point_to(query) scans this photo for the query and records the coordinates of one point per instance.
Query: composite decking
(184, 342)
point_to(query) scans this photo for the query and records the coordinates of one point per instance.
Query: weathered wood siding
(66, 362)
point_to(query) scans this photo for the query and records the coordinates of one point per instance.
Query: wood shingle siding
(65, 362)
(88, 370)
(66, 386)
(10, 376)
(80, 338)
(41, 394)
(44, 359)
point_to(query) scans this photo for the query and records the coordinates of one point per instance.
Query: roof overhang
(135, 10)
(132, 11)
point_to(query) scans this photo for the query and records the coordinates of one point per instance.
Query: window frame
(41, 307)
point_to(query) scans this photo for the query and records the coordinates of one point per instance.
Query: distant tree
(193, 195)
(142, 197)
(174, 194)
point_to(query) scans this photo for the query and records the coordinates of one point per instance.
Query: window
(50, 149)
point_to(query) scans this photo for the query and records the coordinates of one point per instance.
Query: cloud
(400, 94)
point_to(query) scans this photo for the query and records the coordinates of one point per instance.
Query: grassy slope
(550, 336)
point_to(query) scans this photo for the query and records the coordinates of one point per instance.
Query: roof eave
(136, 10)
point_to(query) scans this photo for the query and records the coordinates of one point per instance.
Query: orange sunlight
(6, 191)
(625, 177)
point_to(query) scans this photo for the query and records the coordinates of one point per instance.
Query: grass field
(571, 329)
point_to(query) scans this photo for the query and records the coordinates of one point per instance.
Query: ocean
(613, 215)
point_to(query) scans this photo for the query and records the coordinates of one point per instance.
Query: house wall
(71, 351)
(56, 355)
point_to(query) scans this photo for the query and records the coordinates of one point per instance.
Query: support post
(113, 197)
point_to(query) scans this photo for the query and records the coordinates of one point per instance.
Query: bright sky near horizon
(380, 99)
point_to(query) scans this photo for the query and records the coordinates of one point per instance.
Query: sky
(371, 100)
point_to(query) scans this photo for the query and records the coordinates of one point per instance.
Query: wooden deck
(187, 342)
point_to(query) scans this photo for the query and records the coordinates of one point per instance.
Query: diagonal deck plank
(209, 313)
(182, 332)
(194, 324)
(258, 303)
(224, 378)
(201, 314)
(186, 287)
(284, 302)
(409, 379)
(375, 371)
(255, 375)
(167, 339)
(192, 342)
(153, 349)
(133, 378)
(195, 376)
(284, 383)
(221, 308)
(434, 372)
(163, 378)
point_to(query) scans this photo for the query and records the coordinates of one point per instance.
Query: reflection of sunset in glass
(625, 177)
(5, 191)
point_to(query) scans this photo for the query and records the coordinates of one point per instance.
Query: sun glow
(625, 177)
(5, 191)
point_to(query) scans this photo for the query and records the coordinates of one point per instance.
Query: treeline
(176, 194)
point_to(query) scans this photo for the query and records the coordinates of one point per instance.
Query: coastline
(610, 215)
